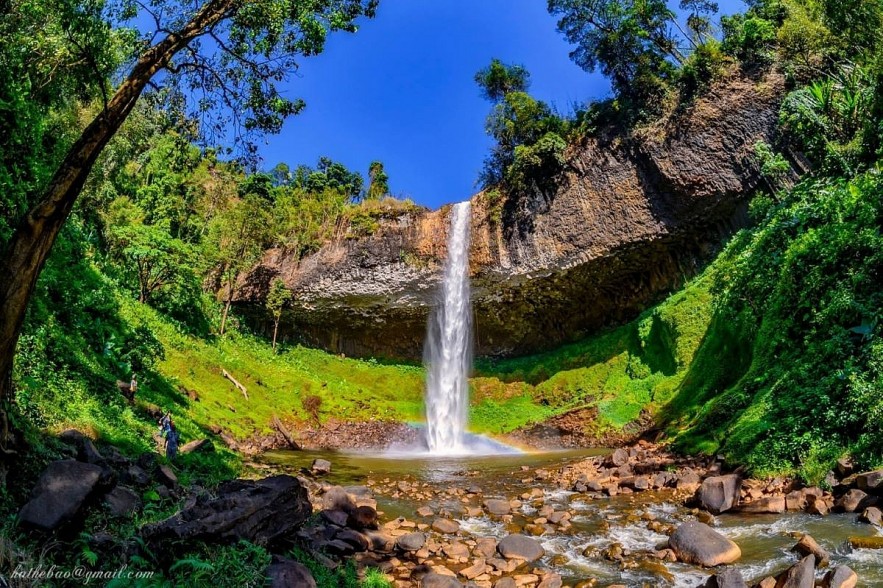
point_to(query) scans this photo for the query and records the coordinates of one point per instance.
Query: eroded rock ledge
(630, 218)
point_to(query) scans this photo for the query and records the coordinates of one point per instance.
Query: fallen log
(235, 383)
(285, 434)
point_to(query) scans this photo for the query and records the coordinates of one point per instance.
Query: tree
(498, 79)
(632, 42)
(277, 298)
(238, 237)
(228, 53)
(378, 181)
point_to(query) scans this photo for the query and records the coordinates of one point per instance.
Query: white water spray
(448, 350)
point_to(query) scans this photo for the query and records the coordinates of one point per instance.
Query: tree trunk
(275, 330)
(25, 254)
(227, 305)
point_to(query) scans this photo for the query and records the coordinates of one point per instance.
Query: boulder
(358, 541)
(851, 501)
(411, 541)
(166, 476)
(840, 577)
(476, 569)
(870, 481)
(765, 505)
(872, 515)
(321, 467)
(134, 474)
(362, 517)
(62, 491)
(197, 446)
(263, 512)
(719, 494)
(122, 502)
(728, 578)
(800, 575)
(507, 582)
(618, 458)
(808, 546)
(497, 507)
(550, 580)
(445, 526)
(520, 547)
(286, 573)
(434, 580)
(697, 543)
(336, 498)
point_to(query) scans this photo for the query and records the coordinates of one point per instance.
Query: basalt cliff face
(629, 219)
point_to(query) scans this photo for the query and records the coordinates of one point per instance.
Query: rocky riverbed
(639, 516)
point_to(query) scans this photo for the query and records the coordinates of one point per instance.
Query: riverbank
(631, 518)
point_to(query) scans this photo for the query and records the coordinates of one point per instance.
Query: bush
(312, 404)
(701, 68)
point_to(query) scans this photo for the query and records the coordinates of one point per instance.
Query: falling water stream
(448, 350)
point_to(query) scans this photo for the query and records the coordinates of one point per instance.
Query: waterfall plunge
(448, 350)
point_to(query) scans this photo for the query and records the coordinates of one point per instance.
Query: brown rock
(840, 577)
(768, 505)
(719, 493)
(800, 575)
(851, 501)
(699, 544)
(808, 546)
(445, 526)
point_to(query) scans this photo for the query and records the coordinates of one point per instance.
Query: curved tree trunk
(25, 254)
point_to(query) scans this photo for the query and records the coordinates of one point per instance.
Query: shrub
(312, 404)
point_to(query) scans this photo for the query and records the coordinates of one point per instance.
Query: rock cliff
(630, 218)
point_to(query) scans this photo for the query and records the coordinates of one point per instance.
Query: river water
(598, 523)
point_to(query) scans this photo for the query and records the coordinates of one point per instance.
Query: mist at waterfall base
(448, 357)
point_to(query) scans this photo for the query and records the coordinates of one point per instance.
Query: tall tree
(228, 55)
(277, 298)
(378, 181)
(632, 42)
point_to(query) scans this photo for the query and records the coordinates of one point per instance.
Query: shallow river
(598, 523)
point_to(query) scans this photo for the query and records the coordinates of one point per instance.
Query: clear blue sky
(401, 90)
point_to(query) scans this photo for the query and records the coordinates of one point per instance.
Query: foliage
(773, 166)
(701, 68)
(802, 306)
(378, 181)
(498, 79)
(277, 298)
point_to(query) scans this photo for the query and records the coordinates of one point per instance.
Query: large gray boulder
(286, 573)
(728, 578)
(800, 575)
(61, 493)
(840, 577)
(520, 547)
(262, 512)
(411, 541)
(697, 543)
(719, 494)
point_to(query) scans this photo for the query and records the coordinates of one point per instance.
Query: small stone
(445, 526)
(497, 507)
(321, 467)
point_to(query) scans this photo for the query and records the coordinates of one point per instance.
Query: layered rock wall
(630, 218)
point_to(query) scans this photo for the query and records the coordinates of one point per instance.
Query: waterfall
(448, 350)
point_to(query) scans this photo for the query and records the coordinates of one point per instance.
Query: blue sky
(401, 90)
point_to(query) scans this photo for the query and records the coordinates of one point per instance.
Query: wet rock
(719, 494)
(445, 526)
(425, 511)
(62, 491)
(435, 580)
(766, 583)
(865, 542)
(697, 543)
(873, 516)
(766, 505)
(286, 573)
(198, 446)
(122, 502)
(840, 577)
(851, 501)
(808, 546)
(497, 507)
(411, 541)
(321, 467)
(817, 505)
(262, 512)
(800, 575)
(728, 578)
(520, 547)
(363, 517)
(870, 481)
